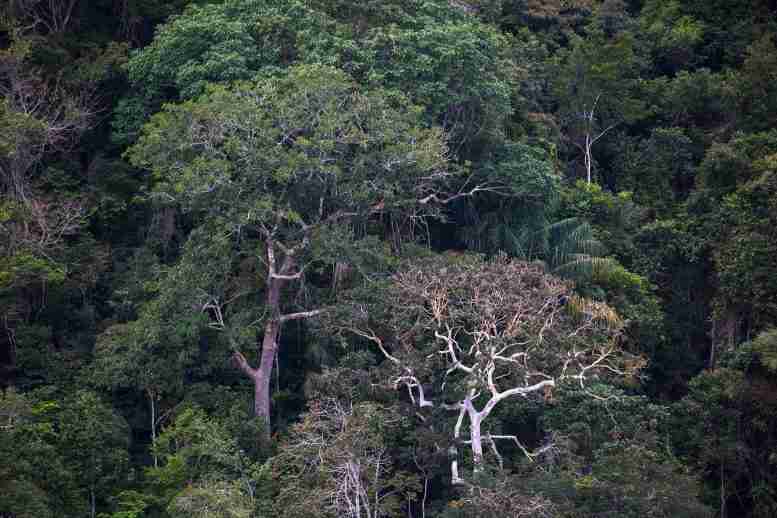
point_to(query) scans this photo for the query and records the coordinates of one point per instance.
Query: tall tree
(595, 87)
(278, 163)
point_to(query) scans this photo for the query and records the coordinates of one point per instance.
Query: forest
(388, 258)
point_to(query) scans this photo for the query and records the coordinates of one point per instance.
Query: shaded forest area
(398, 258)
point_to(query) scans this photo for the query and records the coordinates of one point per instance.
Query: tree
(40, 115)
(23, 494)
(595, 87)
(275, 164)
(95, 441)
(754, 86)
(725, 428)
(671, 35)
(58, 458)
(737, 185)
(457, 68)
(659, 170)
(129, 356)
(50, 17)
(620, 461)
(525, 225)
(464, 335)
(513, 224)
(203, 471)
(338, 462)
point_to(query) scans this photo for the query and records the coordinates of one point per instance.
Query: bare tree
(40, 116)
(337, 463)
(590, 132)
(505, 499)
(49, 16)
(466, 335)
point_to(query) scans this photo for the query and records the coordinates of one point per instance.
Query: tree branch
(300, 315)
(445, 200)
(243, 365)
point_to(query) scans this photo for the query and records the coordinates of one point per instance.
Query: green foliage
(672, 35)
(635, 479)
(25, 267)
(622, 465)
(129, 504)
(21, 493)
(320, 121)
(66, 454)
(95, 440)
(152, 154)
(457, 69)
(744, 256)
(616, 216)
(515, 224)
(207, 43)
(659, 170)
(700, 98)
(755, 85)
(203, 469)
(710, 424)
(595, 83)
(765, 346)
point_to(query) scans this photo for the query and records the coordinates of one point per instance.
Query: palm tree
(567, 247)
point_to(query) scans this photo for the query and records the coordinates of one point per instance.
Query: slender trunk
(15, 186)
(357, 493)
(92, 502)
(588, 157)
(453, 451)
(713, 339)
(151, 398)
(722, 492)
(423, 502)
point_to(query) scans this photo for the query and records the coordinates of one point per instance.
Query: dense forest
(388, 258)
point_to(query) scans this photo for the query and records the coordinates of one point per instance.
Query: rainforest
(388, 258)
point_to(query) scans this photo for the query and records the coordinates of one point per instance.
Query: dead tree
(40, 116)
(336, 462)
(465, 335)
(589, 134)
(46, 16)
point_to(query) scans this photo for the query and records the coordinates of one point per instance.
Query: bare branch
(300, 315)
(443, 200)
(502, 329)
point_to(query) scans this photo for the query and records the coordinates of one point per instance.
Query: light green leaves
(306, 142)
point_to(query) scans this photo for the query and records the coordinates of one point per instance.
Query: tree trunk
(477, 442)
(588, 158)
(151, 397)
(722, 492)
(423, 502)
(264, 372)
(262, 376)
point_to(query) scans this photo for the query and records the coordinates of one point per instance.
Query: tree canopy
(412, 258)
